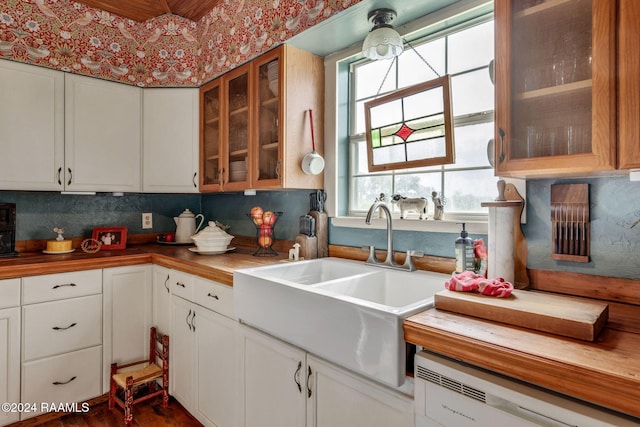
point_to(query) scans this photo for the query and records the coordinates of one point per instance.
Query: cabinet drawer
(214, 296)
(67, 378)
(181, 284)
(61, 326)
(9, 293)
(51, 287)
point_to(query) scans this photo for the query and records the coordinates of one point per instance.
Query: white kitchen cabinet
(61, 338)
(339, 398)
(10, 345)
(161, 312)
(127, 306)
(203, 349)
(272, 381)
(170, 140)
(102, 135)
(289, 387)
(31, 127)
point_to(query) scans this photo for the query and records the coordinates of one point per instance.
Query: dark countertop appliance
(8, 229)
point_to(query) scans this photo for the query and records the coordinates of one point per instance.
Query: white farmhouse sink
(344, 311)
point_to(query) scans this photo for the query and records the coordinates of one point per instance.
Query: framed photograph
(110, 237)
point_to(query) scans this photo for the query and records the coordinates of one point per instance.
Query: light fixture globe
(382, 42)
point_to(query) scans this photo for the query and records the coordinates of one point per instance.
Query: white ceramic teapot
(186, 225)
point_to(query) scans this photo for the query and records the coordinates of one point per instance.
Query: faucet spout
(382, 206)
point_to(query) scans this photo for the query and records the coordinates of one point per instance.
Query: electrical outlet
(147, 220)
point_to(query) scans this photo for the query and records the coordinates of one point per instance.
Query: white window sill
(432, 226)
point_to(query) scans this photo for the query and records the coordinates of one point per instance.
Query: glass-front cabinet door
(237, 129)
(268, 149)
(555, 87)
(211, 137)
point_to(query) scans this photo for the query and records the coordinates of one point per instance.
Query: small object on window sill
(438, 206)
(416, 204)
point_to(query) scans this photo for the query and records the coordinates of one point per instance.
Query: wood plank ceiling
(141, 10)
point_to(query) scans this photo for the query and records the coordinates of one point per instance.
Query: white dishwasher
(451, 394)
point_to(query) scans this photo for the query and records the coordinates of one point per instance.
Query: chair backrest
(158, 348)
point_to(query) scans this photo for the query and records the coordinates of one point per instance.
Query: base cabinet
(283, 385)
(9, 359)
(341, 399)
(161, 299)
(272, 381)
(127, 305)
(61, 339)
(203, 350)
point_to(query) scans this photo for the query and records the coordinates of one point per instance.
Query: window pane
(471, 145)
(419, 185)
(366, 189)
(472, 92)
(466, 190)
(471, 48)
(413, 70)
(369, 78)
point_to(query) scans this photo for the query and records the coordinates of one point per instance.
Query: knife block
(570, 218)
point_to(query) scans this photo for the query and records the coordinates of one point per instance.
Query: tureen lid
(211, 231)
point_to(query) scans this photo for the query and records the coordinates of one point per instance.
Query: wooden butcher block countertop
(219, 268)
(606, 371)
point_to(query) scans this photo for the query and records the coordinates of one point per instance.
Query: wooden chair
(131, 377)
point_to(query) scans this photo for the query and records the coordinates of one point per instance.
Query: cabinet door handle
(309, 381)
(70, 176)
(296, 376)
(59, 173)
(165, 284)
(59, 328)
(502, 134)
(212, 295)
(180, 284)
(193, 321)
(73, 285)
(187, 320)
(278, 163)
(64, 382)
(195, 185)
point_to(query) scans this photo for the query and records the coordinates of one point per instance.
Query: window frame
(462, 120)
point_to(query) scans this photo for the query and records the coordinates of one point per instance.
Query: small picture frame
(110, 237)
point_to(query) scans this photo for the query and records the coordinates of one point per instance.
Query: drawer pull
(73, 285)
(64, 382)
(212, 295)
(58, 328)
(180, 284)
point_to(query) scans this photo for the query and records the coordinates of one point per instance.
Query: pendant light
(382, 42)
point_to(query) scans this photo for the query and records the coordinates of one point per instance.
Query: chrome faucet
(388, 262)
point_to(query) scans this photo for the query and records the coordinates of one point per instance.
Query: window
(464, 53)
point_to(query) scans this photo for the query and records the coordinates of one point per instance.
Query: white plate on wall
(196, 250)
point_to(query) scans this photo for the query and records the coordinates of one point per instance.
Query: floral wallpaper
(164, 51)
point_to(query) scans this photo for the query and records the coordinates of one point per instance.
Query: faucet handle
(408, 261)
(372, 254)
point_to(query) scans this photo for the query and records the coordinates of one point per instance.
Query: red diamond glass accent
(404, 132)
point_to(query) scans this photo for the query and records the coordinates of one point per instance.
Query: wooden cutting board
(561, 315)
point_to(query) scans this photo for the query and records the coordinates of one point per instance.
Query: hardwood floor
(145, 414)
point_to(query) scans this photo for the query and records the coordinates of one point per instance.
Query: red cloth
(468, 281)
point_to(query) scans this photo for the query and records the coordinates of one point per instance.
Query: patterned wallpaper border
(164, 51)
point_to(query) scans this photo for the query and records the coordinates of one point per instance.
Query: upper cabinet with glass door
(256, 125)
(211, 136)
(555, 87)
